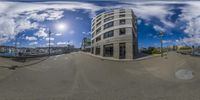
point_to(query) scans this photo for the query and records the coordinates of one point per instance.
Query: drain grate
(184, 74)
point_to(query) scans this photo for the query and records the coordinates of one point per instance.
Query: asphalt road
(79, 76)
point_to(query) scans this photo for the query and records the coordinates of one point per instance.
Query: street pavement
(78, 76)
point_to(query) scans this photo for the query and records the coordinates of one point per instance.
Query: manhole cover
(184, 74)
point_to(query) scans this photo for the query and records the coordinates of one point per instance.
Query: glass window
(122, 31)
(98, 19)
(98, 38)
(98, 30)
(92, 50)
(98, 50)
(108, 14)
(122, 15)
(109, 18)
(110, 24)
(99, 23)
(93, 29)
(108, 34)
(122, 21)
(108, 50)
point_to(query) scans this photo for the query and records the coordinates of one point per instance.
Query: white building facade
(114, 34)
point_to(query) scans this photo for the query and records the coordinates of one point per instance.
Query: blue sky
(30, 22)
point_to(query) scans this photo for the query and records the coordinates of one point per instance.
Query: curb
(108, 58)
(120, 60)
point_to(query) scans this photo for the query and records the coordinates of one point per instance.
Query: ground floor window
(92, 51)
(98, 50)
(108, 50)
(122, 50)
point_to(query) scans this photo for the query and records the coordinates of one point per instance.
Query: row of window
(110, 13)
(108, 34)
(109, 18)
(110, 24)
(108, 50)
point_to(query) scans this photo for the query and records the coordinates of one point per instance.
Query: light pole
(49, 50)
(16, 51)
(161, 43)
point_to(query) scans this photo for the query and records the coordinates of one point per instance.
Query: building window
(93, 24)
(99, 23)
(122, 22)
(122, 15)
(93, 29)
(108, 50)
(109, 18)
(98, 50)
(108, 34)
(92, 41)
(98, 30)
(108, 14)
(98, 19)
(92, 51)
(110, 24)
(122, 50)
(98, 38)
(122, 31)
(122, 10)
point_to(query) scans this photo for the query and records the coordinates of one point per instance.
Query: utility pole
(161, 43)
(16, 45)
(49, 50)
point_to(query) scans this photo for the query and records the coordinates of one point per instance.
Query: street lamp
(16, 43)
(49, 50)
(161, 43)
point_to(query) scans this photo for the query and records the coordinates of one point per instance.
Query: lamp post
(49, 50)
(161, 43)
(16, 52)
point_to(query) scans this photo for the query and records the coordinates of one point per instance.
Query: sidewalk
(114, 59)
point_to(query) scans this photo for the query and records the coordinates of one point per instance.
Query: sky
(30, 22)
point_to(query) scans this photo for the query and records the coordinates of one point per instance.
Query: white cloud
(41, 33)
(66, 43)
(191, 16)
(79, 18)
(139, 21)
(19, 7)
(30, 38)
(167, 41)
(33, 43)
(46, 15)
(51, 44)
(22, 25)
(47, 39)
(58, 34)
(61, 43)
(158, 28)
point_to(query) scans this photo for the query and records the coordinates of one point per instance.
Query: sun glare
(61, 27)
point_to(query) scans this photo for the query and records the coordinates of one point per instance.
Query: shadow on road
(24, 60)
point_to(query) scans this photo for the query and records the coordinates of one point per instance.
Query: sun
(61, 27)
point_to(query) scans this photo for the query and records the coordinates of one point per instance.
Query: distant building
(38, 51)
(114, 34)
(86, 44)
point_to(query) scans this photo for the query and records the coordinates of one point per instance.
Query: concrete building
(114, 34)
